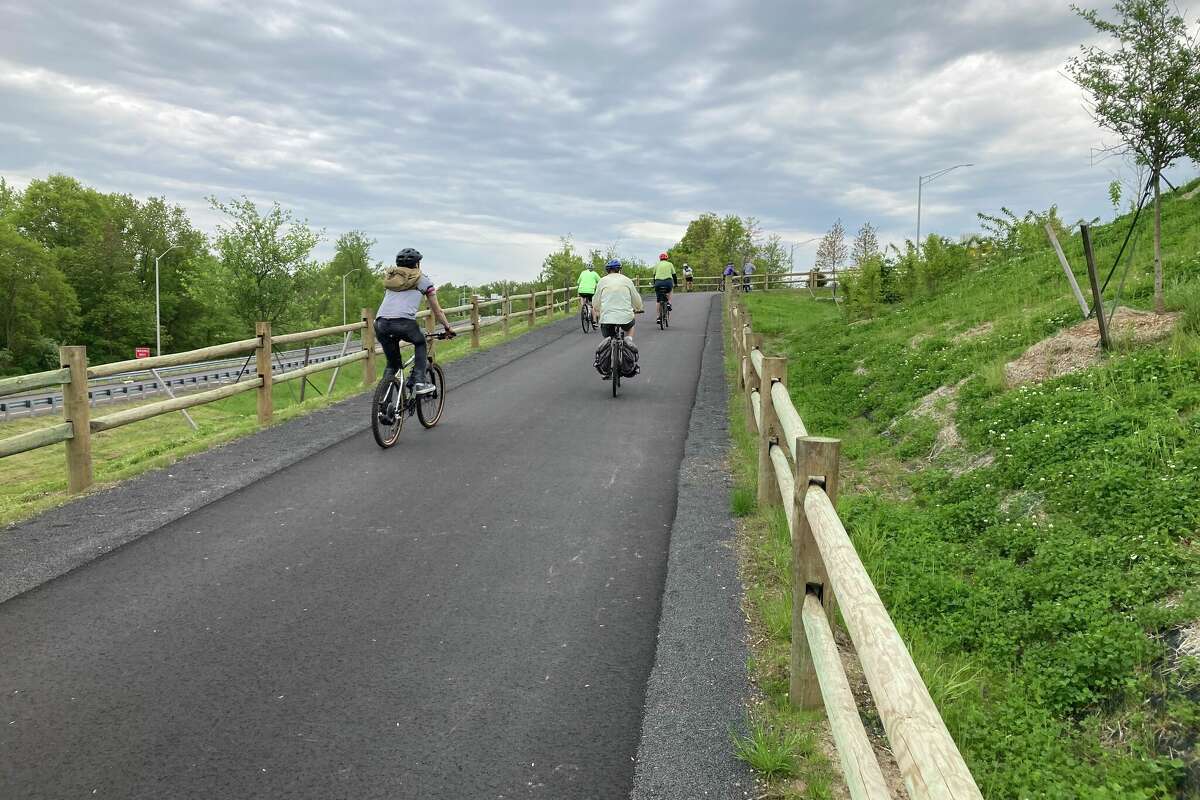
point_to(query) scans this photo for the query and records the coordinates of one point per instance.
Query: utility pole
(921, 181)
(351, 272)
(157, 314)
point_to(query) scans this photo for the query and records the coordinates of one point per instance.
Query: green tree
(36, 303)
(262, 255)
(1146, 90)
(831, 252)
(562, 267)
(866, 244)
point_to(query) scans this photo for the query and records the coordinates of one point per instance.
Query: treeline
(77, 266)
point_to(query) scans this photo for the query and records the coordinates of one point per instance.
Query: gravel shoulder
(698, 688)
(69, 536)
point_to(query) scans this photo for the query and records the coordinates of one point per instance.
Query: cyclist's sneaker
(423, 388)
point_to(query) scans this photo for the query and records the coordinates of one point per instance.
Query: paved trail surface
(471, 614)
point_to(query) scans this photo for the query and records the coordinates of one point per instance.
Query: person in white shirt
(747, 271)
(616, 301)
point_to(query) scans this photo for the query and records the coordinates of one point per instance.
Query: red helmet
(662, 256)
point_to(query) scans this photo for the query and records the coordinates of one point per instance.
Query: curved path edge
(698, 689)
(84, 529)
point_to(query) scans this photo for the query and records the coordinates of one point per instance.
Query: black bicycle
(614, 353)
(585, 316)
(664, 311)
(394, 401)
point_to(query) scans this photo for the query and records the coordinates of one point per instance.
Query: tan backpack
(401, 279)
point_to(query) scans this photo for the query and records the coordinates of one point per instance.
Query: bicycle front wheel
(429, 406)
(387, 412)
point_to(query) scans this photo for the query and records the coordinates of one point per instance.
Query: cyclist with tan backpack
(396, 319)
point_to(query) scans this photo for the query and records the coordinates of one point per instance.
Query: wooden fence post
(532, 307)
(474, 320)
(262, 363)
(506, 311)
(430, 329)
(816, 462)
(549, 303)
(754, 342)
(774, 369)
(368, 344)
(77, 412)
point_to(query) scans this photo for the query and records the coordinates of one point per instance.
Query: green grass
(1042, 595)
(34, 481)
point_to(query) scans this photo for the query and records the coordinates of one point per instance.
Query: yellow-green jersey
(664, 270)
(587, 281)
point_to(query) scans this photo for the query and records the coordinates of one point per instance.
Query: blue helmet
(613, 266)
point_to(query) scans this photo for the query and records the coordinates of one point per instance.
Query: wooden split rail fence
(813, 279)
(800, 472)
(78, 424)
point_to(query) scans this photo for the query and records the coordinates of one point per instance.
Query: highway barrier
(74, 373)
(800, 472)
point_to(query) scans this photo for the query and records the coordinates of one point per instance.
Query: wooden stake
(262, 362)
(1062, 259)
(1085, 232)
(816, 463)
(77, 412)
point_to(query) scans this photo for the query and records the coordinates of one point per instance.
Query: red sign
(141, 352)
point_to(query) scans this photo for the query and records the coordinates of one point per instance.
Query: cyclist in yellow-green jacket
(665, 278)
(587, 283)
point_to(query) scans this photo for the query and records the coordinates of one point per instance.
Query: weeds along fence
(74, 372)
(800, 472)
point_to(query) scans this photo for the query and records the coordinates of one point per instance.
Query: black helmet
(408, 257)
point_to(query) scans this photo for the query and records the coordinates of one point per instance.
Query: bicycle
(614, 354)
(664, 312)
(393, 400)
(585, 317)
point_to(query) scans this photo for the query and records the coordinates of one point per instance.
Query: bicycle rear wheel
(585, 317)
(666, 315)
(429, 406)
(388, 412)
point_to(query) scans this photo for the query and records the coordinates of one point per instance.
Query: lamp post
(921, 181)
(351, 272)
(792, 252)
(157, 315)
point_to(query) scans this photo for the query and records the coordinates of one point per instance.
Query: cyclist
(616, 301)
(747, 271)
(587, 283)
(727, 276)
(396, 319)
(665, 276)
(687, 276)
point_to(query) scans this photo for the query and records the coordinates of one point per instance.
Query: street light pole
(157, 315)
(351, 272)
(921, 181)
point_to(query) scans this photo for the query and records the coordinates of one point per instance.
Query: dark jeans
(391, 331)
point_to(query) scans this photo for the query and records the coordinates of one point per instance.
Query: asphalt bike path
(469, 614)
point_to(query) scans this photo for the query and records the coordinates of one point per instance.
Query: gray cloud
(481, 132)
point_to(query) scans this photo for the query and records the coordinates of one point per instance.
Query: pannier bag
(629, 359)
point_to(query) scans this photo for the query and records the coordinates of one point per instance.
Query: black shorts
(688, 278)
(662, 288)
(611, 330)
(587, 295)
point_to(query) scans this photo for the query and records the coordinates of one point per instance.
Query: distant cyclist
(747, 271)
(665, 276)
(396, 319)
(587, 283)
(616, 301)
(687, 277)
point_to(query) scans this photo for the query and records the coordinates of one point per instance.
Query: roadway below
(472, 613)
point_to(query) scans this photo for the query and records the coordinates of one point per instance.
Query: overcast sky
(481, 132)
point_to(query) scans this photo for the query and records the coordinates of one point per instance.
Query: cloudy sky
(481, 132)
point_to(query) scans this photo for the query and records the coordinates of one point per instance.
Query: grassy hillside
(1037, 545)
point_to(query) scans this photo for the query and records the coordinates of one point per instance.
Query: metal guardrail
(800, 472)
